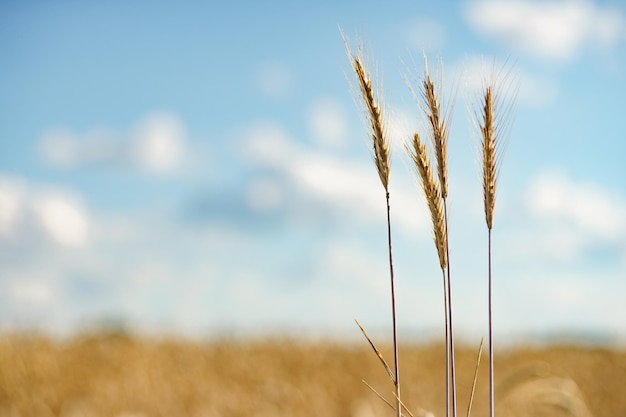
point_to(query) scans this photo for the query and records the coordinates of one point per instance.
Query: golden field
(119, 375)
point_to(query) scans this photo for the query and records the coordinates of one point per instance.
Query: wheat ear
(438, 128)
(382, 156)
(489, 156)
(419, 156)
(380, 144)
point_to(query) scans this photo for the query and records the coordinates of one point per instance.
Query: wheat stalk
(437, 121)
(494, 116)
(432, 194)
(473, 390)
(382, 157)
(377, 352)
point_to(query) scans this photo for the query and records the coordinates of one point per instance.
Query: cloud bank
(157, 145)
(347, 186)
(31, 214)
(556, 29)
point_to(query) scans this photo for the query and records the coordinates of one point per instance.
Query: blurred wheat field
(122, 375)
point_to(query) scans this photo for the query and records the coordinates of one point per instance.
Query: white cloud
(350, 264)
(158, 144)
(265, 195)
(64, 149)
(63, 218)
(346, 185)
(566, 219)
(274, 79)
(33, 293)
(156, 275)
(562, 300)
(427, 34)
(268, 144)
(339, 183)
(551, 243)
(534, 90)
(327, 123)
(31, 213)
(556, 29)
(586, 207)
(400, 129)
(12, 195)
(537, 90)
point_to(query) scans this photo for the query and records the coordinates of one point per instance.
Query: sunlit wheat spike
(380, 143)
(438, 127)
(493, 116)
(419, 156)
(489, 142)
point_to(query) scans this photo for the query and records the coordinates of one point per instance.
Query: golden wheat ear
(427, 91)
(438, 127)
(373, 107)
(419, 156)
(493, 116)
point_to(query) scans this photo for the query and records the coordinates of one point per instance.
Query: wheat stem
(393, 315)
(377, 352)
(445, 271)
(495, 122)
(489, 189)
(471, 399)
(381, 155)
(439, 136)
(432, 194)
(450, 330)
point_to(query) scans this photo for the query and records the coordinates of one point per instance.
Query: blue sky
(202, 168)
